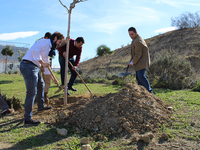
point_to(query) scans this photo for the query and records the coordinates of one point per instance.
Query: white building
(12, 62)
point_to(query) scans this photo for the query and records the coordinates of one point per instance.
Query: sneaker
(31, 122)
(45, 108)
(8, 111)
(71, 88)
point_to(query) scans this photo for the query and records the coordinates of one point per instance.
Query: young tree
(187, 20)
(103, 49)
(72, 5)
(21, 55)
(7, 51)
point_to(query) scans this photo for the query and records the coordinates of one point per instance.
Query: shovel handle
(81, 79)
(127, 68)
(53, 76)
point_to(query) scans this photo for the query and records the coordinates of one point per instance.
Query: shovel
(126, 73)
(79, 77)
(60, 88)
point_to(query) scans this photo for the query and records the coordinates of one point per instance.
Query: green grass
(13, 85)
(186, 106)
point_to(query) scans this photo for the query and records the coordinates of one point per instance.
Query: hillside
(184, 41)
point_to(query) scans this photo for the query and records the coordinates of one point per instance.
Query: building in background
(13, 62)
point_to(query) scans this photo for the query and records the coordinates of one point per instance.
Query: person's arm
(78, 57)
(63, 43)
(55, 81)
(44, 64)
(138, 52)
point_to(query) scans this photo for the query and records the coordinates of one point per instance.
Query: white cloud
(178, 3)
(163, 30)
(115, 18)
(16, 35)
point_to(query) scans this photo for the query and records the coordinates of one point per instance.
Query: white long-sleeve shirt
(39, 51)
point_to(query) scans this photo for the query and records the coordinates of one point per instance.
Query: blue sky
(98, 21)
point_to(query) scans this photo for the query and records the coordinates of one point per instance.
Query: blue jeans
(62, 71)
(34, 88)
(3, 105)
(142, 79)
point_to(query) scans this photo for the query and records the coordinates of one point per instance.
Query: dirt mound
(131, 110)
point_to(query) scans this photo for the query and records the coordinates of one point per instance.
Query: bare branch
(72, 5)
(63, 5)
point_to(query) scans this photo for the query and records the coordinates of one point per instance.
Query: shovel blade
(124, 74)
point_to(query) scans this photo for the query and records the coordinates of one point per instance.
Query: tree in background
(186, 20)
(7, 51)
(21, 55)
(103, 49)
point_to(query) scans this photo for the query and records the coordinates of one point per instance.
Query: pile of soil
(131, 110)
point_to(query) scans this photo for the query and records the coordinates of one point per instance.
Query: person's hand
(64, 54)
(56, 81)
(74, 68)
(68, 38)
(130, 63)
(45, 64)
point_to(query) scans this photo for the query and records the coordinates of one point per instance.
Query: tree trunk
(6, 64)
(66, 59)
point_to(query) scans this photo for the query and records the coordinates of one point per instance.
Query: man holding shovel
(75, 48)
(36, 57)
(140, 58)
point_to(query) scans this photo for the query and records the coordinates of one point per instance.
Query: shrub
(10, 72)
(103, 49)
(187, 20)
(197, 87)
(170, 71)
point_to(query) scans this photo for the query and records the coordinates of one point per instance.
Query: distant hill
(184, 41)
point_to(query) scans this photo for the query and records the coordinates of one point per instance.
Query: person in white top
(46, 75)
(36, 57)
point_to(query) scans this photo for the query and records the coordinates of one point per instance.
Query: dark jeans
(34, 88)
(62, 71)
(142, 79)
(3, 105)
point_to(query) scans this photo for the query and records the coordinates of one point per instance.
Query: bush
(103, 49)
(170, 71)
(10, 72)
(187, 20)
(197, 87)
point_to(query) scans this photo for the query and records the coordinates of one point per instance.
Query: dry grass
(184, 41)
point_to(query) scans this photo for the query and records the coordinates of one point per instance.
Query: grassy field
(184, 126)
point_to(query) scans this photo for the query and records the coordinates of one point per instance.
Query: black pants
(62, 71)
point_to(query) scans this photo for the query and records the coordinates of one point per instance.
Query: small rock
(86, 147)
(165, 136)
(140, 120)
(98, 119)
(85, 141)
(120, 130)
(62, 115)
(170, 108)
(135, 139)
(126, 125)
(147, 137)
(62, 132)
